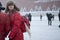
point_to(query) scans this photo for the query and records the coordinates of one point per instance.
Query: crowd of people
(50, 17)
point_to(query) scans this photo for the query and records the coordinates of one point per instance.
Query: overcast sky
(43, 0)
(37, 1)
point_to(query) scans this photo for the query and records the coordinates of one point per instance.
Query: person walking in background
(49, 16)
(29, 17)
(16, 22)
(4, 23)
(59, 15)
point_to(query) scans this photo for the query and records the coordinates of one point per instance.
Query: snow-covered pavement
(41, 31)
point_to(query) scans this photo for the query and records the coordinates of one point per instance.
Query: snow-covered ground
(41, 31)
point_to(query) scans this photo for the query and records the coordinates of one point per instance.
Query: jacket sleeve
(23, 29)
(16, 26)
(27, 22)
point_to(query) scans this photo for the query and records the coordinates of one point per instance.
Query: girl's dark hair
(11, 3)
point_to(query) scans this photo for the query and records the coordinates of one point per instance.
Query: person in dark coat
(59, 15)
(29, 17)
(4, 23)
(49, 16)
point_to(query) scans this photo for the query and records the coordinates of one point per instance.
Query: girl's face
(11, 7)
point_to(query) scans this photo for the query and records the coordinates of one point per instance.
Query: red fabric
(24, 20)
(16, 33)
(27, 22)
(4, 25)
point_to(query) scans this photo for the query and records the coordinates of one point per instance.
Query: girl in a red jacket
(16, 32)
